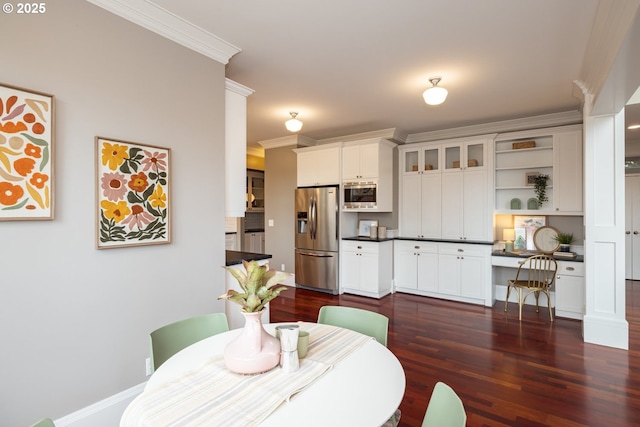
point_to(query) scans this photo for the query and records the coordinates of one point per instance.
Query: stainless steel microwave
(360, 195)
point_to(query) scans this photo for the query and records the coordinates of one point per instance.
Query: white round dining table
(363, 389)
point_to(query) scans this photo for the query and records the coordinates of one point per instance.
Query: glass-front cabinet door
(423, 159)
(465, 155)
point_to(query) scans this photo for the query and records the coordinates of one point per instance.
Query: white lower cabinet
(460, 272)
(415, 266)
(464, 271)
(570, 290)
(254, 242)
(366, 268)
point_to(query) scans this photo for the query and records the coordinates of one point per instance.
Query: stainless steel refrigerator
(317, 243)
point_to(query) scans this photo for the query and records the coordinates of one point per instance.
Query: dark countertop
(367, 239)
(578, 258)
(236, 257)
(469, 242)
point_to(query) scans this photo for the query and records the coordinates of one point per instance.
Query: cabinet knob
(635, 232)
(359, 247)
(460, 250)
(627, 232)
(416, 247)
(570, 269)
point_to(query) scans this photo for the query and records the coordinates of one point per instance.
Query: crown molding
(170, 26)
(237, 88)
(392, 134)
(286, 141)
(535, 122)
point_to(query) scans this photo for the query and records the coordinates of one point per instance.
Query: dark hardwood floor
(507, 372)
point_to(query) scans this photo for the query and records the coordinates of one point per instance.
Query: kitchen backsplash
(230, 225)
(254, 221)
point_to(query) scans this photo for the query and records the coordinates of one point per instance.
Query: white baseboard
(105, 413)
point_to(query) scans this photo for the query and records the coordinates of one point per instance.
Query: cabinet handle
(627, 232)
(570, 269)
(635, 232)
(416, 247)
(460, 250)
(359, 247)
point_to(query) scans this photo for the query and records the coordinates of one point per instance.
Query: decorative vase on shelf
(565, 247)
(254, 350)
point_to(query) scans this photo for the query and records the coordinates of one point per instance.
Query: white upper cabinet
(361, 161)
(420, 192)
(235, 148)
(370, 160)
(567, 170)
(319, 165)
(446, 189)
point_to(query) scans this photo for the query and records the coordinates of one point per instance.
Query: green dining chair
(170, 339)
(445, 408)
(366, 322)
(45, 422)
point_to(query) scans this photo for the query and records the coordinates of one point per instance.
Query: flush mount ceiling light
(435, 95)
(293, 124)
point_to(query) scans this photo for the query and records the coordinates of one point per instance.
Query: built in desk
(567, 293)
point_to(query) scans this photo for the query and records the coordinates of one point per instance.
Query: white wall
(74, 320)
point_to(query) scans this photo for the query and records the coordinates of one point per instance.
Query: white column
(604, 321)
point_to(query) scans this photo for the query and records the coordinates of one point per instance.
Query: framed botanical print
(133, 194)
(26, 154)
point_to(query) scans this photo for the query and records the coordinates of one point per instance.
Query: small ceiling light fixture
(293, 124)
(435, 95)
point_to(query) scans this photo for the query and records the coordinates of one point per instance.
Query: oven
(360, 195)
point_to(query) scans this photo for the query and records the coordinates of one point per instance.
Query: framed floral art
(26, 154)
(133, 194)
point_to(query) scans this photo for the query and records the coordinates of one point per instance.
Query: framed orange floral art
(133, 194)
(26, 154)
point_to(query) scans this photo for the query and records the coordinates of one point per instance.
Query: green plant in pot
(565, 240)
(258, 286)
(540, 188)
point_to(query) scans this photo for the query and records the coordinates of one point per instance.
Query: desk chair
(445, 408)
(170, 339)
(535, 274)
(45, 422)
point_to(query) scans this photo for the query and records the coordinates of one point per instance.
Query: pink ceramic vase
(254, 350)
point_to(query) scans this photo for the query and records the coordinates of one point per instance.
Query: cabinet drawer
(416, 245)
(354, 246)
(571, 268)
(462, 249)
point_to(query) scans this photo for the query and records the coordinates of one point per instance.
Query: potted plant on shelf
(540, 188)
(565, 240)
(254, 350)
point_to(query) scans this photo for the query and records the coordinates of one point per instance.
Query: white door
(632, 227)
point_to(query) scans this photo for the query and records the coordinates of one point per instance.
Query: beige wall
(74, 320)
(280, 182)
(255, 162)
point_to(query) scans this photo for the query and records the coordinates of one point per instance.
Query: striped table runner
(211, 395)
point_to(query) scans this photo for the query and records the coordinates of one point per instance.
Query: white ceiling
(357, 66)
